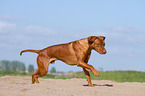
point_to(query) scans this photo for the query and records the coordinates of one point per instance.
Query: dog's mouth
(102, 52)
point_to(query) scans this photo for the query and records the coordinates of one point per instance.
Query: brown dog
(73, 53)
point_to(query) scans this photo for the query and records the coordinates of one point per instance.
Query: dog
(74, 53)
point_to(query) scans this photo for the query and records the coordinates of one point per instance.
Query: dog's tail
(34, 51)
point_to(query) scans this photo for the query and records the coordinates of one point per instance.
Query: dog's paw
(91, 85)
(96, 73)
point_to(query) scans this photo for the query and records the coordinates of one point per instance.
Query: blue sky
(35, 24)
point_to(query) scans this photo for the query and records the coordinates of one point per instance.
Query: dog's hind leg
(34, 77)
(43, 63)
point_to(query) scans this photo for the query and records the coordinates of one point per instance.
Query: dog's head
(97, 43)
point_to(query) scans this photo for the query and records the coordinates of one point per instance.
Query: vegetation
(123, 76)
(53, 70)
(31, 68)
(12, 73)
(14, 68)
(118, 76)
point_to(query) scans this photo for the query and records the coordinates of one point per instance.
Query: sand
(21, 86)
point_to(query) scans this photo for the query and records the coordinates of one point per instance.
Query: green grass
(118, 76)
(49, 76)
(123, 76)
(11, 73)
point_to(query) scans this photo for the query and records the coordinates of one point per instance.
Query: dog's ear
(102, 37)
(91, 39)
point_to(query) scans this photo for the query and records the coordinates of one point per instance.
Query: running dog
(73, 53)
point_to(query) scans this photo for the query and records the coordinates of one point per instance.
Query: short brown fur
(73, 53)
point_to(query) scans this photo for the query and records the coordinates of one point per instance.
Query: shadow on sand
(108, 85)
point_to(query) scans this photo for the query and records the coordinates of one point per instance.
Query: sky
(35, 24)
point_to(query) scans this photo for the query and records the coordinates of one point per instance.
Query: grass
(123, 76)
(11, 73)
(118, 76)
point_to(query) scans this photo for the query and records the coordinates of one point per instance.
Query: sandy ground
(21, 86)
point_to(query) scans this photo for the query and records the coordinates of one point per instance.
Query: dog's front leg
(85, 65)
(86, 71)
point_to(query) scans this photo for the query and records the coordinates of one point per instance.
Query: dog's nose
(104, 51)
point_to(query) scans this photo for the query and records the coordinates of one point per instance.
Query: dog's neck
(85, 44)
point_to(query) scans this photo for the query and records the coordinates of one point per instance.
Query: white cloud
(127, 34)
(12, 18)
(7, 27)
(11, 35)
(5, 24)
(124, 40)
(41, 31)
(124, 29)
(117, 38)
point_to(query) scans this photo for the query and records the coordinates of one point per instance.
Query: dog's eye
(98, 45)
